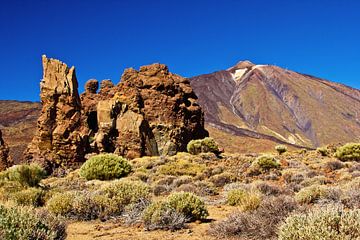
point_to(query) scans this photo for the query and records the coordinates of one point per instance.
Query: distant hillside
(268, 102)
(18, 123)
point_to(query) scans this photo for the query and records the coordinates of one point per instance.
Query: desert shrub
(323, 151)
(263, 164)
(126, 192)
(105, 167)
(246, 200)
(161, 215)
(26, 175)
(267, 188)
(281, 149)
(133, 213)
(334, 165)
(329, 223)
(31, 197)
(181, 167)
(261, 223)
(348, 152)
(182, 180)
(221, 179)
(23, 223)
(317, 180)
(202, 146)
(316, 193)
(205, 188)
(188, 204)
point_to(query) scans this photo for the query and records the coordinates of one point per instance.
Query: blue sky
(102, 38)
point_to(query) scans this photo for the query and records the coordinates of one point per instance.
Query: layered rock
(5, 160)
(150, 112)
(58, 141)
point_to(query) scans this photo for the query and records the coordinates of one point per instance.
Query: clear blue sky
(101, 38)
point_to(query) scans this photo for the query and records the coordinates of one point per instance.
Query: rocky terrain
(18, 125)
(133, 160)
(150, 112)
(269, 102)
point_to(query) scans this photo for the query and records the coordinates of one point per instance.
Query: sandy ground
(112, 230)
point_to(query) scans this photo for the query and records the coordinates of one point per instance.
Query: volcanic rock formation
(150, 112)
(58, 141)
(5, 161)
(268, 102)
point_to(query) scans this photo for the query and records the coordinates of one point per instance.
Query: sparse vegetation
(105, 167)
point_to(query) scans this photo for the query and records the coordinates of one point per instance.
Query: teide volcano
(269, 102)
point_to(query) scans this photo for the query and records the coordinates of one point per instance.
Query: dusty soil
(114, 230)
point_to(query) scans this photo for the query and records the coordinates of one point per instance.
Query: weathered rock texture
(5, 160)
(58, 141)
(150, 112)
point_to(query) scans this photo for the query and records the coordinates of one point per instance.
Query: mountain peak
(243, 64)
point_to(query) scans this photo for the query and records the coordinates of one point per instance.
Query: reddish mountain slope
(18, 124)
(268, 102)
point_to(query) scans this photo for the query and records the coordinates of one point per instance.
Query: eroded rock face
(150, 112)
(5, 160)
(58, 141)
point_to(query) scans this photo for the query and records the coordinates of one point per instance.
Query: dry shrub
(318, 193)
(259, 224)
(329, 223)
(245, 200)
(161, 215)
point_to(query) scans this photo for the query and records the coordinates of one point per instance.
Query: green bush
(281, 149)
(202, 146)
(188, 204)
(105, 167)
(126, 192)
(246, 200)
(30, 197)
(161, 215)
(24, 223)
(262, 164)
(329, 223)
(26, 175)
(348, 152)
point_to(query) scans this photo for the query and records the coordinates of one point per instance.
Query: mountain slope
(18, 124)
(264, 101)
